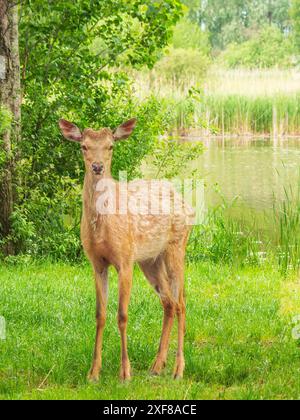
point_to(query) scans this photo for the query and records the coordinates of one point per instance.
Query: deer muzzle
(98, 168)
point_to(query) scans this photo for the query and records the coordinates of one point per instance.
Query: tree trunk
(10, 100)
(270, 13)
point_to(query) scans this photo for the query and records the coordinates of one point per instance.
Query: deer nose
(98, 168)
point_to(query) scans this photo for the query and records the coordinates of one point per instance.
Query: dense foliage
(5, 119)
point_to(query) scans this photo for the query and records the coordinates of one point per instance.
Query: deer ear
(125, 130)
(70, 131)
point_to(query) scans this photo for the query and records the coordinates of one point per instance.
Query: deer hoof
(178, 371)
(177, 376)
(157, 368)
(93, 378)
(125, 374)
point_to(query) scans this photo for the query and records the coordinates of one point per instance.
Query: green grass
(238, 344)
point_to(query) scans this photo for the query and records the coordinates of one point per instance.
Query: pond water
(256, 171)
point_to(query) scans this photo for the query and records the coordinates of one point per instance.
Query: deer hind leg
(180, 363)
(101, 283)
(175, 256)
(125, 284)
(156, 273)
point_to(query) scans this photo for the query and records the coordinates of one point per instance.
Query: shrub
(269, 48)
(182, 64)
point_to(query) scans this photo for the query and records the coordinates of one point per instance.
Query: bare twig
(45, 379)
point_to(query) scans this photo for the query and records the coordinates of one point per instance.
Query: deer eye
(84, 148)
(111, 147)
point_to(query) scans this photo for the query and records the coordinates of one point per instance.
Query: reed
(278, 115)
(235, 102)
(287, 220)
(223, 239)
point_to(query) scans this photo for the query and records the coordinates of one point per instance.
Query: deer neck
(90, 196)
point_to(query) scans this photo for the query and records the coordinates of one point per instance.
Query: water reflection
(255, 170)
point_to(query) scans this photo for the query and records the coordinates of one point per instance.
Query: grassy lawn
(239, 341)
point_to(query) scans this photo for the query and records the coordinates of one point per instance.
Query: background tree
(236, 20)
(10, 103)
(295, 15)
(188, 35)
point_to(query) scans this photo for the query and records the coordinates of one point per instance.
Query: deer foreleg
(125, 283)
(101, 283)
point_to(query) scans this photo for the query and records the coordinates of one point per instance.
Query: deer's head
(97, 146)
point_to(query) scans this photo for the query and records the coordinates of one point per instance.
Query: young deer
(157, 242)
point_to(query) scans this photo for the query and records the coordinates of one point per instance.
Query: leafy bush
(269, 48)
(181, 64)
(171, 157)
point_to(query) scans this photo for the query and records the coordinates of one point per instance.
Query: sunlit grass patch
(238, 341)
(290, 298)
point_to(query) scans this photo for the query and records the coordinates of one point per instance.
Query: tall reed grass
(236, 114)
(234, 102)
(223, 239)
(287, 220)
